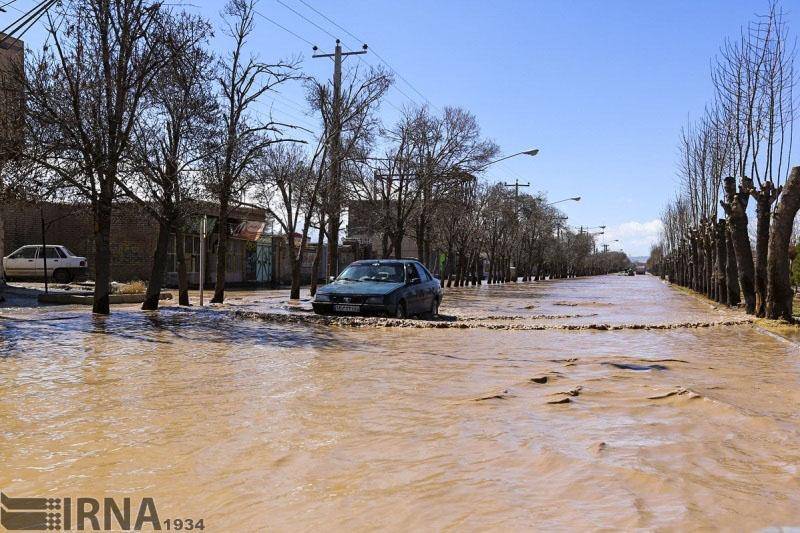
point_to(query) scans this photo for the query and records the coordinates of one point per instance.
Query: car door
(416, 291)
(21, 262)
(431, 286)
(428, 288)
(37, 267)
(54, 260)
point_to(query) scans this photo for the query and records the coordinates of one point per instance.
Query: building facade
(133, 240)
(11, 95)
(11, 110)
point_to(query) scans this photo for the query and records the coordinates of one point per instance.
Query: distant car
(28, 262)
(395, 287)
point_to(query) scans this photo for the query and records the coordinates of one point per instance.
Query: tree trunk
(708, 264)
(695, 263)
(731, 270)
(317, 256)
(294, 293)
(779, 288)
(222, 252)
(333, 243)
(183, 277)
(736, 204)
(722, 260)
(296, 261)
(102, 257)
(449, 264)
(763, 206)
(159, 266)
(420, 237)
(385, 245)
(397, 244)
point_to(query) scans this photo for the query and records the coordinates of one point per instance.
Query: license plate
(346, 308)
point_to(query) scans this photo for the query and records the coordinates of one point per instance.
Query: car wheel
(401, 310)
(434, 312)
(62, 276)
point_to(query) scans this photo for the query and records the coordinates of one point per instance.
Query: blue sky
(602, 88)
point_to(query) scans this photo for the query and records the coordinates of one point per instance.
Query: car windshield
(388, 272)
(67, 252)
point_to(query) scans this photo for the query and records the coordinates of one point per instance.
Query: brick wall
(133, 234)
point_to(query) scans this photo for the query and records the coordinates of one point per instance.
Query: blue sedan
(393, 287)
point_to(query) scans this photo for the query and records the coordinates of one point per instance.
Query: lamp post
(573, 199)
(606, 246)
(532, 152)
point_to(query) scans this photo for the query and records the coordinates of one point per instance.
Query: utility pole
(516, 186)
(335, 181)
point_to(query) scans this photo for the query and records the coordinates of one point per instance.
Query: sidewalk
(26, 294)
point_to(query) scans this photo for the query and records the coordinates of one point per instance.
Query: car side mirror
(331, 279)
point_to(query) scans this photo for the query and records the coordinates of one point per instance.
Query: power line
(306, 19)
(394, 86)
(32, 24)
(284, 28)
(19, 20)
(27, 19)
(424, 98)
(2, 8)
(25, 16)
(398, 89)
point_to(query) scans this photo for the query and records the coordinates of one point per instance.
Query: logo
(68, 514)
(347, 299)
(30, 514)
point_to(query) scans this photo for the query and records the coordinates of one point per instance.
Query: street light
(532, 152)
(574, 199)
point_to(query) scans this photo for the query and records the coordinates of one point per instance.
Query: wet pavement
(250, 422)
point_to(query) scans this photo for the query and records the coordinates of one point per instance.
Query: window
(412, 272)
(388, 272)
(191, 250)
(28, 252)
(66, 252)
(426, 276)
(52, 253)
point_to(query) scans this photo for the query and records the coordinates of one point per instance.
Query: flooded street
(301, 426)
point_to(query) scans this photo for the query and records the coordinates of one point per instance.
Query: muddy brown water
(250, 424)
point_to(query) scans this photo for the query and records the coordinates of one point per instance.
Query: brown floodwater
(252, 424)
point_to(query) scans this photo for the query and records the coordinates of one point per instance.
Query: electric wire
(26, 20)
(284, 28)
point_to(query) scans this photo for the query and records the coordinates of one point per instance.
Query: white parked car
(28, 262)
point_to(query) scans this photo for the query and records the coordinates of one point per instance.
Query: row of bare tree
(739, 151)
(126, 102)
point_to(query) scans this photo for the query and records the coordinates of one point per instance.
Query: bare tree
(754, 78)
(168, 140)
(446, 149)
(84, 93)
(780, 295)
(351, 126)
(240, 139)
(288, 188)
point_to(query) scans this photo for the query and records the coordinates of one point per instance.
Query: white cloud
(635, 237)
